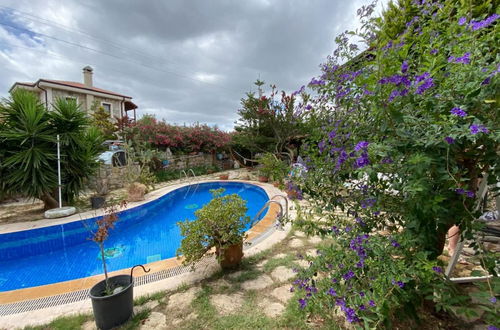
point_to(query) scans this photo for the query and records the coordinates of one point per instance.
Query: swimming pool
(143, 234)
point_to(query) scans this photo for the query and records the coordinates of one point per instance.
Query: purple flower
(347, 276)
(404, 67)
(350, 315)
(361, 146)
(361, 294)
(368, 202)
(395, 243)
(462, 20)
(484, 23)
(302, 303)
(460, 191)
(335, 230)
(301, 90)
(362, 160)
(449, 140)
(470, 194)
(492, 327)
(493, 300)
(362, 307)
(437, 269)
(424, 82)
(433, 51)
(458, 112)
(464, 59)
(371, 303)
(477, 128)
(400, 284)
(486, 81)
(321, 146)
(331, 292)
(317, 82)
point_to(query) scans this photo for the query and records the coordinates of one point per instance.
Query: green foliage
(73, 322)
(267, 123)
(28, 139)
(101, 119)
(220, 223)
(272, 167)
(79, 146)
(139, 162)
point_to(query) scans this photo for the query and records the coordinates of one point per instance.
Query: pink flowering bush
(181, 139)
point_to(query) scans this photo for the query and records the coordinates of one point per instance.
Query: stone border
(46, 315)
(48, 290)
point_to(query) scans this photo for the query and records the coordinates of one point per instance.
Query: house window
(107, 107)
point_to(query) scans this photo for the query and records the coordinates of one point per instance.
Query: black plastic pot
(113, 310)
(97, 202)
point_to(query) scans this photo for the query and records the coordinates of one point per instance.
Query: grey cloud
(172, 45)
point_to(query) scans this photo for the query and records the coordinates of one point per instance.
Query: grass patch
(293, 317)
(246, 276)
(73, 322)
(136, 320)
(276, 262)
(144, 299)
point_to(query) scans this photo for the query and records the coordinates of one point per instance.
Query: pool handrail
(264, 207)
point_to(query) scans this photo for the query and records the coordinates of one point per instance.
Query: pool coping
(19, 295)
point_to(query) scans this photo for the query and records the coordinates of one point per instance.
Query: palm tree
(28, 153)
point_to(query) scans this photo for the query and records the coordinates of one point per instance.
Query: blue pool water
(143, 234)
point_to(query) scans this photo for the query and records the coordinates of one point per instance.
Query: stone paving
(229, 293)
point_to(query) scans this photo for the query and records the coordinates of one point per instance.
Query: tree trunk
(48, 202)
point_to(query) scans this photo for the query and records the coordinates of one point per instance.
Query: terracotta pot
(263, 178)
(229, 257)
(224, 176)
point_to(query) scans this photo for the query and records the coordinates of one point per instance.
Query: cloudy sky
(184, 61)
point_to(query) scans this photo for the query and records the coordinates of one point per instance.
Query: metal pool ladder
(186, 174)
(280, 214)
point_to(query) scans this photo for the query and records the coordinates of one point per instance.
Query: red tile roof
(82, 86)
(71, 84)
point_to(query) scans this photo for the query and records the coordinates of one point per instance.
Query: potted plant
(101, 190)
(113, 297)
(219, 224)
(268, 162)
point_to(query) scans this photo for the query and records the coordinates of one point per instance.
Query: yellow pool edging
(42, 291)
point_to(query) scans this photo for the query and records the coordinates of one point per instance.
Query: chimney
(87, 76)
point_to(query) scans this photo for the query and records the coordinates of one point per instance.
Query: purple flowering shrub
(369, 278)
(400, 136)
(413, 117)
